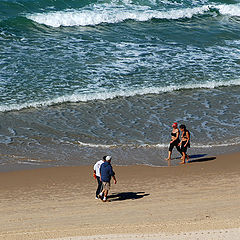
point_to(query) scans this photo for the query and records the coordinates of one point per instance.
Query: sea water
(82, 79)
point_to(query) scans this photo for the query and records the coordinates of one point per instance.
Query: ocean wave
(231, 10)
(115, 14)
(106, 95)
(227, 143)
(110, 146)
(92, 145)
(233, 142)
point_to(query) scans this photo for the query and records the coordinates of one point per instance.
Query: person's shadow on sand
(200, 158)
(127, 195)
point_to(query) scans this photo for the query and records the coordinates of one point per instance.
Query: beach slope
(201, 198)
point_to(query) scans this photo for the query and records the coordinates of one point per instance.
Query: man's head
(107, 158)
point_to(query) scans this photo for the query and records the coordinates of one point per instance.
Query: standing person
(185, 143)
(96, 175)
(106, 173)
(174, 140)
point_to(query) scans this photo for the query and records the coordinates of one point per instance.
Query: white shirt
(97, 167)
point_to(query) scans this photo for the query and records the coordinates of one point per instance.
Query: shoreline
(28, 163)
(58, 202)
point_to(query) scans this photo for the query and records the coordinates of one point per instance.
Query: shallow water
(79, 80)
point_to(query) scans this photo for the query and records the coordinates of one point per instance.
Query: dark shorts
(183, 148)
(174, 144)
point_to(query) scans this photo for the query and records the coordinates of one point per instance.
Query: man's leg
(102, 193)
(105, 195)
(99, 188)
(106, 189)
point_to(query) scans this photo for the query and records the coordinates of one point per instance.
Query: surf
(104, 95)
(111, 14)
(232, 142)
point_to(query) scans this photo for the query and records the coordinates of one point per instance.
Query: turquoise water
(85, 78)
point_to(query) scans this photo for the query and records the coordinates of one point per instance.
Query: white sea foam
(232, 10)
(159, 145)
(232, 142)
(113, 14)
(96, 145)
(105, 95)
(92, 145)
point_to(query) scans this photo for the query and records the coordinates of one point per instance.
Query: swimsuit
(174, 143)
(183, 148)
(173, 134)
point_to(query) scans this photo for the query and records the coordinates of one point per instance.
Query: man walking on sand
(96, 175)
(106, 173)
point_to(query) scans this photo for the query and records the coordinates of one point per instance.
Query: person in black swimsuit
(185, 143)
(174, 141)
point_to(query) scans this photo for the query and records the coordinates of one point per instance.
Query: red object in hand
(94, 175)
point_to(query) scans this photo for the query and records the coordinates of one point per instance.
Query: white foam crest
(159, 145)
(232, 10)
(95, 145)
(233, 142)
(105, 95)
(92, 145)
(110, 14)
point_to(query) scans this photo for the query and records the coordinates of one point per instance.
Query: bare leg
(183, 158)
(105, 195)
(169, 156)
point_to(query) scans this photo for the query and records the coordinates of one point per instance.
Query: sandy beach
(199, 200)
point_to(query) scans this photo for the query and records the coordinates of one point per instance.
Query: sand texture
(199, 200)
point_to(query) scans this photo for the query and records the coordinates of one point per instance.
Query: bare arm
(94, 174)
(187, 138)
(114, 179)
(181, 140)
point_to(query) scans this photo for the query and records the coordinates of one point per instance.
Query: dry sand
(199, 200)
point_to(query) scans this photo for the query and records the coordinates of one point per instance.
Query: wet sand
(200, 199)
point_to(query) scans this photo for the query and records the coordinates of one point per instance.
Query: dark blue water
(79, 79)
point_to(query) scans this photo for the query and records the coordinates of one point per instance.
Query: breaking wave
(115, 14)
(235, 141)
(105, 95)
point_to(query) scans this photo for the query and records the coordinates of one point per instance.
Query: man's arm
(94, 174)
(112, 173)
(114, 179)
(94, 171)
(100, 170)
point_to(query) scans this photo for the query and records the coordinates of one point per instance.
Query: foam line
(159, 145)
(105, 95)
(115, 14)
(231, 10)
